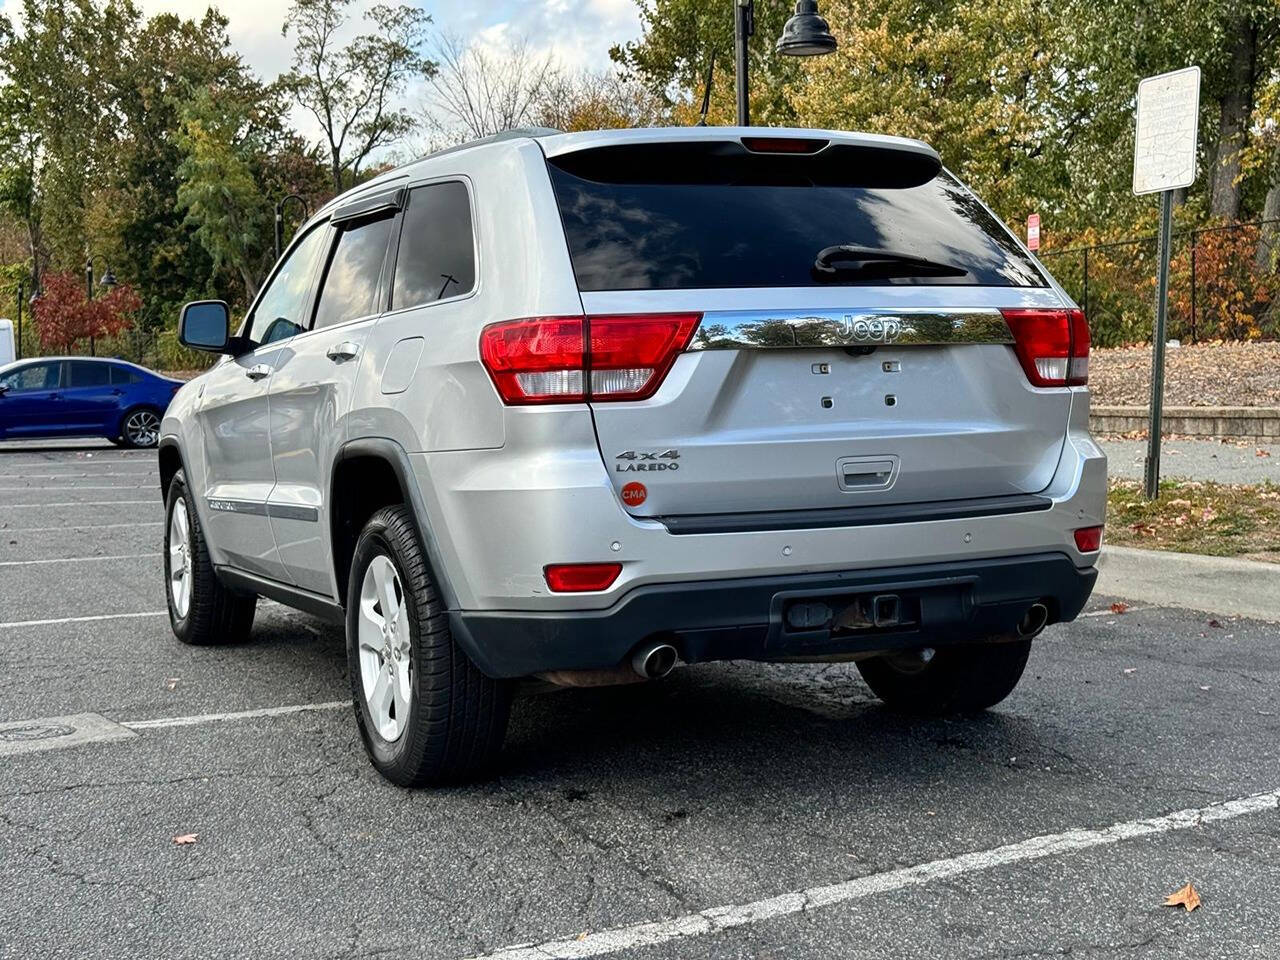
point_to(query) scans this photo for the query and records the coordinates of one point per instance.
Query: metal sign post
(1164, 160)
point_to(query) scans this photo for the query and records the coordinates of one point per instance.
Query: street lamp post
(22, 290)
(280, 205)
(108, 281)
(806, 34)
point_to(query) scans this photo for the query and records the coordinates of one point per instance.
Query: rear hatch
(824, 323)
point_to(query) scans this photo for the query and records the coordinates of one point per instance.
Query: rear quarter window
(638, 232)
(436, 259)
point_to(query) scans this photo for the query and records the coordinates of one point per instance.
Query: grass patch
(1219, 519)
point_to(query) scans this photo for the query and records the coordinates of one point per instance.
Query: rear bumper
(750, 619)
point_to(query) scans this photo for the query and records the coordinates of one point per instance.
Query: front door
(31, 401)
(235, 416)
(311, 393)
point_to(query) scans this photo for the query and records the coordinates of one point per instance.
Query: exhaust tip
(655, 661)
(1033, 621)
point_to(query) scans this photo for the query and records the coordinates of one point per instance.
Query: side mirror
(206, 325)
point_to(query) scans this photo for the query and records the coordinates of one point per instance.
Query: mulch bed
(1205, 375)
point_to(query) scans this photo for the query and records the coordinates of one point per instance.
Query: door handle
(259, 372)
(340, 352)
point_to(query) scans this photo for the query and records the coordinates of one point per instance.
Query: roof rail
(518, 133)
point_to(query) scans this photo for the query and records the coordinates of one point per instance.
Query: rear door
(314, 378)
(855, 336)
(90, 403)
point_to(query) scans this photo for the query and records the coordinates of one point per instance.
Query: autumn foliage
(64, 316)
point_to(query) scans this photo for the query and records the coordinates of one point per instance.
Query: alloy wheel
(180, 559)
(386, 666)
(142, 429)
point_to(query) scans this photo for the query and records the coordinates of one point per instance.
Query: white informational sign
(1033, 232)
(1164, 155)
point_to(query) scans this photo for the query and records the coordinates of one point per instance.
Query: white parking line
(79, 503)
(32, 563)
(715, 919)
(114, 486)
(83, 526)
(164, 722)
(15, 624)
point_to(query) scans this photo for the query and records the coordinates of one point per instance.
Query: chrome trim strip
(771, 329)
(277, 511)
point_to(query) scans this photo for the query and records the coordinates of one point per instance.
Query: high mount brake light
(576, 359)
(784, 144)
(1052, 345)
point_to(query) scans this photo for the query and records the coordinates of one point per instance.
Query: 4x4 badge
(647, 461)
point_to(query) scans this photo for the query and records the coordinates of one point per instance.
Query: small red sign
(634, 494)
(1033, 232)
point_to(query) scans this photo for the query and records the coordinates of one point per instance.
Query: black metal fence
(1224, 284)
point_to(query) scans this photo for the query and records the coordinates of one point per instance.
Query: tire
(209, 614)
(140, 428)
(959, 679)
(427, 715)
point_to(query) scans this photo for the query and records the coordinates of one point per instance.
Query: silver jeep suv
(580, 406)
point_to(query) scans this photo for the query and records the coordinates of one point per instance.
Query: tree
(64, 316)
(351, 90)
(478, 92)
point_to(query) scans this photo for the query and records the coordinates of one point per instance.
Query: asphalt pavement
(733, 810)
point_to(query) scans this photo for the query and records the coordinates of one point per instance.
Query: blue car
(83, 397)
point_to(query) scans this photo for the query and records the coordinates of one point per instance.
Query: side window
(37, 376)
(281, 311)
(351, 283)
(437, 258)
(85, 373)
(123, 376)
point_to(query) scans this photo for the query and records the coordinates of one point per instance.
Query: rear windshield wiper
(835, 263)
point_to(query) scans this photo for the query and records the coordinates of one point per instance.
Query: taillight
(581, 577)
(1052, 345)
(575, 359)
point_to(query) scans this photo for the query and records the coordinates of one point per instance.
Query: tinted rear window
(85, 373)
(767, 231)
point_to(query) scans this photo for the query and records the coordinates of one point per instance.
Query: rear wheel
(202, 611)
(959, 679)
(140, 428)
(426, 713)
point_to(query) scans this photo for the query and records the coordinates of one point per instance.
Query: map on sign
(1164, 156)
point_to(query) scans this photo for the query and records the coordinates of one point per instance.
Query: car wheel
(140, 428)
(202, 611)
(959, 679)
(427, 715)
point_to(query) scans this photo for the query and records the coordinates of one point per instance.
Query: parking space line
(83, 526)
(32, 563)
(113, 486)
(192, 721)
(16, 624)
(715, 919)
(78, 503)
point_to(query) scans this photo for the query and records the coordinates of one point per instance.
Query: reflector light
(1052, 345)
(581, 577)
(1089, 539)
(575, 359)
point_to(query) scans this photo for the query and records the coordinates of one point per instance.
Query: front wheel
(427, 715)
(140, 428)
(959, 679)
(202, 611)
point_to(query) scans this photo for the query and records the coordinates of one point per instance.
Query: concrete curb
(1254, 423)
(1221, 585)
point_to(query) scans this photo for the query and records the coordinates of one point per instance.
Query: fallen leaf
(1262, 453)
(1130, 669)
(171, 683)
(184, 839)
(1215, 624)
(1119, 607)
(1186, 897)
(585, 933)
